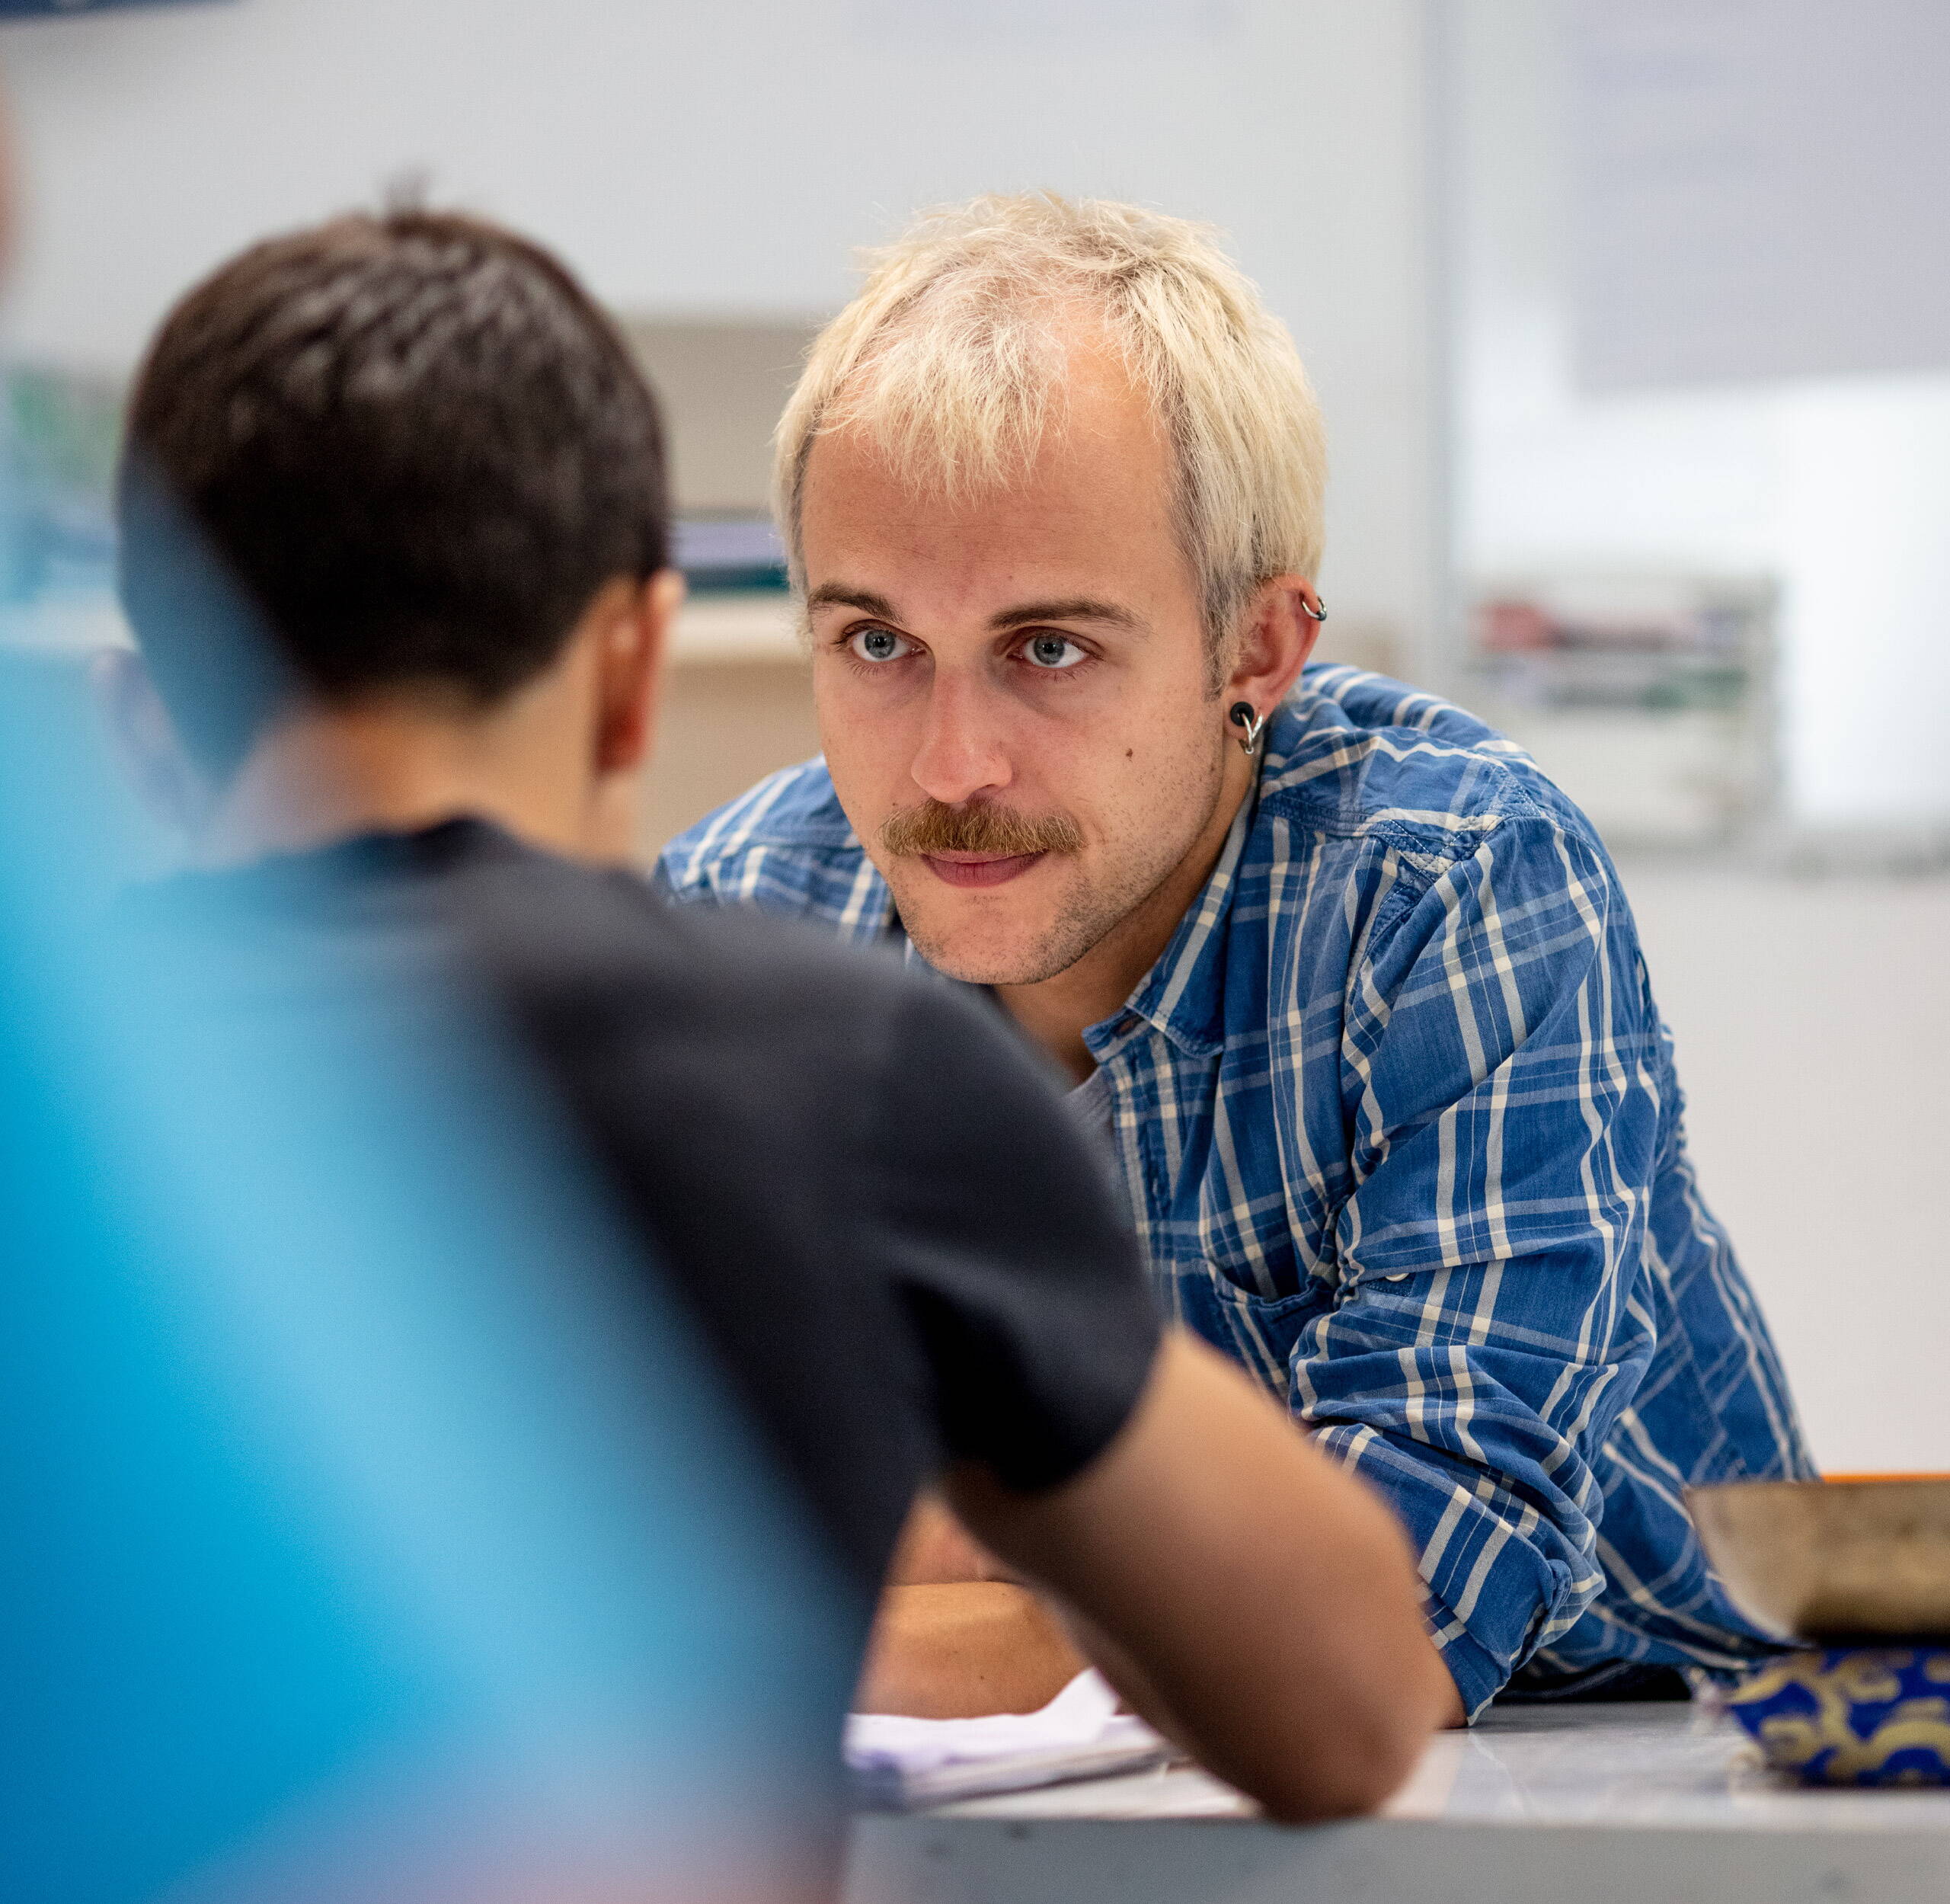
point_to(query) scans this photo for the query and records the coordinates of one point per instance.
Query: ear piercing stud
(1243, 715)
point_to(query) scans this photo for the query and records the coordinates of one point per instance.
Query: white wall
(1838, 489)
(1813, 1024)
(1813, 1017)
(728, 157)
(1863, 527)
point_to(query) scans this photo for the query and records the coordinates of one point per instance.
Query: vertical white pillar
(1865, 551)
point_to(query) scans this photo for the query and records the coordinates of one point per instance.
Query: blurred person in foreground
(428, 467)
(375, 1530)
(1348, 986)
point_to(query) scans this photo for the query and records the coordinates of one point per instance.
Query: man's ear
(1280, 628)
(634, 633)
(630, 666)
(175, 791)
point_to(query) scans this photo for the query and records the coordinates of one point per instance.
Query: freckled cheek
(1150, 783)
(1100, 787)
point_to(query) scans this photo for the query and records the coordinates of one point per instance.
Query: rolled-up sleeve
(1501, 1088)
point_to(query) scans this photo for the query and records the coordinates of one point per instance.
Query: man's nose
(961, 756)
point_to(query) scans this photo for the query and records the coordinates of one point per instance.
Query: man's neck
(319, 777)
(1056, 1012)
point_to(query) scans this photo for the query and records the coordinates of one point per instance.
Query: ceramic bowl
(1854, 1560)
(1853, 1715)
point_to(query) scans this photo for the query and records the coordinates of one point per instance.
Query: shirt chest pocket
(1260, 1332)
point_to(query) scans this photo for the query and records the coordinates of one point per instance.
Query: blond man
(1349, 986)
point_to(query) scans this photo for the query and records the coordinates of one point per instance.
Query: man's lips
(978, 869)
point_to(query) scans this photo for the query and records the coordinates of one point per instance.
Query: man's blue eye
(1054, 650)
(877, 644)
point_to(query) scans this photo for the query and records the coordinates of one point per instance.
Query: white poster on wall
(1761, 188)
(1113, 25)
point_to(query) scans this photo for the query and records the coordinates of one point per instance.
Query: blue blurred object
(374, 1526)
(24, 9)
(1856, 1715)
(723, 552)
(60, 435)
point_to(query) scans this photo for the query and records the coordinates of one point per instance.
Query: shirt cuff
(1478, 1674)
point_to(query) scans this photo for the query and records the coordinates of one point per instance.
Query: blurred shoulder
(591, 938)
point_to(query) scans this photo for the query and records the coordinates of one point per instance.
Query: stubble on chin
(977, 944)
(986, 952)
(990, 950)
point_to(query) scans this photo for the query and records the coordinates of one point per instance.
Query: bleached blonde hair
(952, 358)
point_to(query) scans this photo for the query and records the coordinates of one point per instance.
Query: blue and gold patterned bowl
(1852, 1567)
(1853, 1715)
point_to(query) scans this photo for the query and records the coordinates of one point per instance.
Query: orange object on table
(1904, 1474)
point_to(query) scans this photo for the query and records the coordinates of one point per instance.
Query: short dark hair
(413, 446)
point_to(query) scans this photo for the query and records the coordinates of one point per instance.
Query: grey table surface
(1647, 1804)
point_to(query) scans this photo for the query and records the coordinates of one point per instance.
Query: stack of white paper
(901, 1764)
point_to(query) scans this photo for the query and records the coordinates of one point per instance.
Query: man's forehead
(1102, 610)
(1085, 527)
(1094, 448)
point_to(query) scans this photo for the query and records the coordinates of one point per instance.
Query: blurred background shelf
(752, 628)
(736, 704)
(1648, 698)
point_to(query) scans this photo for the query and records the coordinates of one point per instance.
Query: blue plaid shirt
(1397, 1119)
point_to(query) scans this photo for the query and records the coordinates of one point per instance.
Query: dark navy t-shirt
(901, 1249)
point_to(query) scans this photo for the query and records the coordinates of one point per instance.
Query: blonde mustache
(933, 827)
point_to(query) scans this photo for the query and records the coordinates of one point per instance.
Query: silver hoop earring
(1315, 607)
(1252, 725)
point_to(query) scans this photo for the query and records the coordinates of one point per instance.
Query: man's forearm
(1260, 1603)
(959, 1650)
(935, 1549)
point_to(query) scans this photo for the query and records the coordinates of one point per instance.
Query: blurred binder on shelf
(1647, 698)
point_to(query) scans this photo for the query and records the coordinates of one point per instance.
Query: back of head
(953, 357)
(408, 449)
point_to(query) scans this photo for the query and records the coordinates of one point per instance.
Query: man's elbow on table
(1335, 1720)
(1249, 1595)
(1369, 1765)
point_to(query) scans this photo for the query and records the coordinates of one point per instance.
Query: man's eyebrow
(1073, 608)
(839, 595)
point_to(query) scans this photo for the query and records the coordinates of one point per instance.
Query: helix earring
(1252, 724)
(1313, 604)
